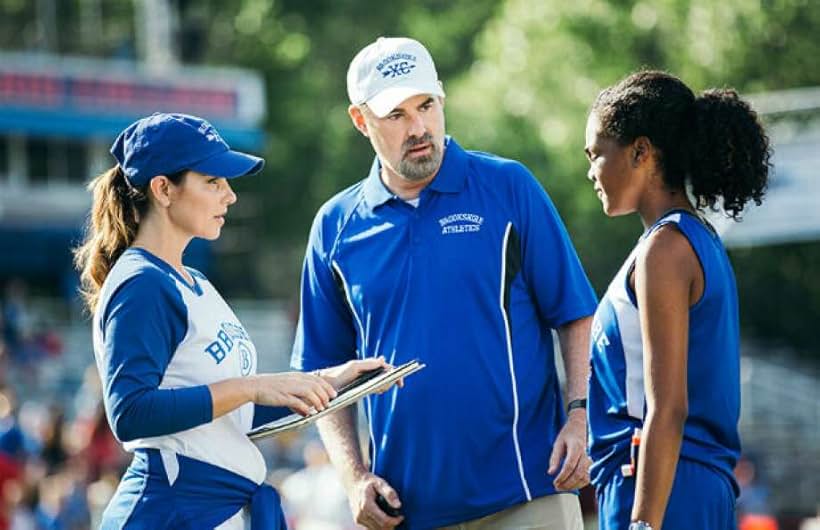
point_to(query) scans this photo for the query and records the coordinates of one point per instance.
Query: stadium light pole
(156, 24)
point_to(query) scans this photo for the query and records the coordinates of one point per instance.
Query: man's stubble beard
(420, 168)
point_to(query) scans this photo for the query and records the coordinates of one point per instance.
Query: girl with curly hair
(664, 397)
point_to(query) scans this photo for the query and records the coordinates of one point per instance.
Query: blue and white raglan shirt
(616, 391)
(158, 342)
(469, 281)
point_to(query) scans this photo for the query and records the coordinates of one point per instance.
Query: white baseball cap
(390, 70)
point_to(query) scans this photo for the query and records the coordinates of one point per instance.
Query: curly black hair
(714, 141)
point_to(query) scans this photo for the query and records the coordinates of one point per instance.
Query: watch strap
(576, 404)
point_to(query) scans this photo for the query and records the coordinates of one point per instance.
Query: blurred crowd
(58, 460)
(55, 473)
(60, 464)
(24, 339)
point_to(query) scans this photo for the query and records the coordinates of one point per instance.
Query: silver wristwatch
(640, 525)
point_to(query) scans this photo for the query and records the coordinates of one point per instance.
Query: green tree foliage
(520, 76)
(540, 64)
(74, 27)
(303, 49)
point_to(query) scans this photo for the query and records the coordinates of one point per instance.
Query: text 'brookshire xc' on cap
(163, 144)
(390, 70)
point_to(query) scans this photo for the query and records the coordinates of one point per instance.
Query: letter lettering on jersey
(217, 351)
(225, 339)
(228, 336)
(245, 362)
(467, 222)
(235, 331)
(599, 338)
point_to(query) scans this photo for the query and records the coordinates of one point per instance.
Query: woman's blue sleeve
(144, 322)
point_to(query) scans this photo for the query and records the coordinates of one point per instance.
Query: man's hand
(362, 496)
(342, 374)
(571, 447)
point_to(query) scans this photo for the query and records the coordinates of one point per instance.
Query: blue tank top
(616, 389)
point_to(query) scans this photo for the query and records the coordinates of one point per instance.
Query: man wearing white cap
(459, 259)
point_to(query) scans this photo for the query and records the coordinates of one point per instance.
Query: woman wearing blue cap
(178, 368)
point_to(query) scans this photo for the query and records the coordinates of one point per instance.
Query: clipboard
(348, 395)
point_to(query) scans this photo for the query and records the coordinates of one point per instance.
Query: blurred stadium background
(269, 74)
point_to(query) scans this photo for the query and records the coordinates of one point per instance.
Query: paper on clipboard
(344, 399)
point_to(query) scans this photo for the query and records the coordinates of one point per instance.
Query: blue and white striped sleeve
(144, 322)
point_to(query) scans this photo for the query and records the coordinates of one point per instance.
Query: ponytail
(714, 141)
(112, 226)
(730, 153)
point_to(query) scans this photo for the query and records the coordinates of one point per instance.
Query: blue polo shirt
(470, 282)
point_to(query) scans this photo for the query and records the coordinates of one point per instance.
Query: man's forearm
(341, 439)
(574, 340)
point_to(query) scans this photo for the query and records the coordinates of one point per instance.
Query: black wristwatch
(576, 404)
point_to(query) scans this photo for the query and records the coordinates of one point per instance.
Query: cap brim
(388, 99)
(229, 164)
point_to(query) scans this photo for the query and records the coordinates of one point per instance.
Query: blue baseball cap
(162, 144)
